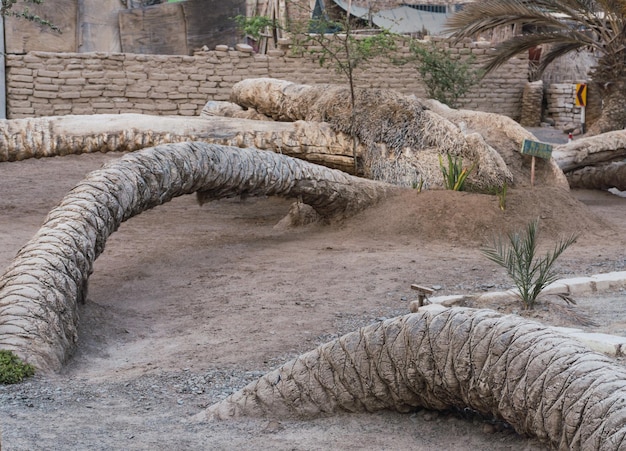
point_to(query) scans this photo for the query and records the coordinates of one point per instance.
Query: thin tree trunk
(519, 371)
(602, 176)
(41, 288)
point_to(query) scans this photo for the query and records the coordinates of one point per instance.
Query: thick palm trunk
(613, 116)
(516, 370)
(407, 131)
(602, 176)
(591, 150)
(40, 289)
(63, 135)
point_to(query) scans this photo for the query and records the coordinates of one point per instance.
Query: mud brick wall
(47, 84)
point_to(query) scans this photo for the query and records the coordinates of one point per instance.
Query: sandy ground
(189, 303)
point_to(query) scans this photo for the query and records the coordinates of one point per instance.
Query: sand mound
(470, 218)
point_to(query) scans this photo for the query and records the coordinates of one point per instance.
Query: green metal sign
(537, 149)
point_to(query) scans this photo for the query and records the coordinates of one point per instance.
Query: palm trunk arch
(516, 370)
(41, 288)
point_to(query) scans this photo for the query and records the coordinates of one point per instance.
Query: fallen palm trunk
(64, 135)
(41, 288)
(591, 150)
(400, 123)
(519, 371)
(506, 135)
(602, 176)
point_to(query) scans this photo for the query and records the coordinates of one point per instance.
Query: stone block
(606, 344)
(578, 285)
(69, 95)
(22, 111)
(610, 281)
(45, 94)
(244, 48)
(75, 82)
(449, 301)
(433, 308)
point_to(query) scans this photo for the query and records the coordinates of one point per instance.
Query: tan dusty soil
(188, 303)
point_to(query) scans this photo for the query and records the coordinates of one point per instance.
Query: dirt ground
(189, 303)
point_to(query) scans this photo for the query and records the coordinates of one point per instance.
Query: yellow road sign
(581, 94)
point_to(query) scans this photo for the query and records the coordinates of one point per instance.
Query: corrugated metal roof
(403, 19)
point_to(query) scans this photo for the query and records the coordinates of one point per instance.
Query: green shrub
(12, 369)
(454, 175)
(530, 274)
(446, 78)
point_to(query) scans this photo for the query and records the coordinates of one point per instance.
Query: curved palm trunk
(63, 135)
(40, 289)
(602, 176)
(540, 382)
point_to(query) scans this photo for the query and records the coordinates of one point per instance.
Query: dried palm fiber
(506, 135)
(536, 379)
(382, 116)
(602, 176)
(41, 288)
(63, 135)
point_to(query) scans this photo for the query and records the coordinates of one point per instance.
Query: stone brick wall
(45, 84)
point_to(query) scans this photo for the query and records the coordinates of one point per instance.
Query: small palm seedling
(12, 369)
(529, 273)
(454, 175)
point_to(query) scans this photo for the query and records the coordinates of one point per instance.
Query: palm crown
(566, 25)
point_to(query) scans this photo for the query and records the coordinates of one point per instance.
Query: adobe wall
(45, 84)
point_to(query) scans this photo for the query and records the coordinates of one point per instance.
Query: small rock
(488, 428)
(274, 426)
(437, 287)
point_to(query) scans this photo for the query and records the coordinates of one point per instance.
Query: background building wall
(45, 84)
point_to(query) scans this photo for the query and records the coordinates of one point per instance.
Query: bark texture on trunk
(63, 135)
(591, 150)
(401, 124)
(613, 116)
(602, 176)
(519, 371)
(41, 288)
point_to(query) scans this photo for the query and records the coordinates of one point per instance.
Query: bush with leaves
(6, 10)
(529, 273)
(12, 369)
(333, 43)
(454, 175)
(446, 78)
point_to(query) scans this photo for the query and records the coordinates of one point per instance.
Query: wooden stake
(532, 171)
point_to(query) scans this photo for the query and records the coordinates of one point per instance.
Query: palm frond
(529, 274)
(556, 51)
(488, 15)
(565, 25)
(513, 47)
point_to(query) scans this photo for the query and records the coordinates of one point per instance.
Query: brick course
(43, 83)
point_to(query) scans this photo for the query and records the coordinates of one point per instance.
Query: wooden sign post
(536, 149)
